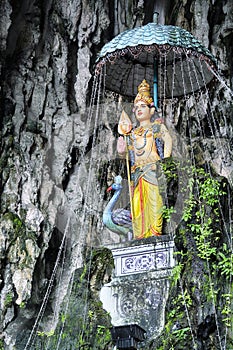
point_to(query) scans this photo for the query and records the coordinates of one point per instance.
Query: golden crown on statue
(144, 93)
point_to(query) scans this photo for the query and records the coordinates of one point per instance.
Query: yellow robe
(147, 206)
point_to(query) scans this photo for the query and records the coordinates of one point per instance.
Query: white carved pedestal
(139, 288)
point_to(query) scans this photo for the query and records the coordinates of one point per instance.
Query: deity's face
(142, 112)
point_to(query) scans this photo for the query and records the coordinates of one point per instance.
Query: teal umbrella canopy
(184, 64)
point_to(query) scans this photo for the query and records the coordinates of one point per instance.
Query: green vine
(200, 241)
(202, 217)
(176, 332)
(201, 213)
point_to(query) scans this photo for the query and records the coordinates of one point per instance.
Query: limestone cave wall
(47, 56)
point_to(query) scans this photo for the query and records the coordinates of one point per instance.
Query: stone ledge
(139, 256)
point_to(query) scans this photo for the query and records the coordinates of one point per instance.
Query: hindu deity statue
(143, 147)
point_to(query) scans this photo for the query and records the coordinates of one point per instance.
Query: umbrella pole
(156, 83)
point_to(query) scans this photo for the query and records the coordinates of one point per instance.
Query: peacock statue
(118, 220)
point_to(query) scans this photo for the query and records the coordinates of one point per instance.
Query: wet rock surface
(48, 50)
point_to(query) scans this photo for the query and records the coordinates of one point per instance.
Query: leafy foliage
(200, 247)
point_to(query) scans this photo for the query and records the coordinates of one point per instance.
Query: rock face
(54, 167)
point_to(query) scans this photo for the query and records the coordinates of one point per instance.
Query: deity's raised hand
(121, 146)
(125, 124)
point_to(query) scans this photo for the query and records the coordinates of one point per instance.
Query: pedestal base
(140, 283)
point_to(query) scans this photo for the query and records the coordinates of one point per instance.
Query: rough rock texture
(51, 199)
